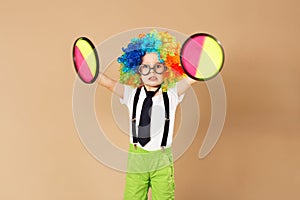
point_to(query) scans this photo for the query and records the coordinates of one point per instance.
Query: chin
(153, 85)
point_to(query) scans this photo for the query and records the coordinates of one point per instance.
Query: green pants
(146, 169)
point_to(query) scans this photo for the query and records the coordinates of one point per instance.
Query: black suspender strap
(167, 117)
(133, 119)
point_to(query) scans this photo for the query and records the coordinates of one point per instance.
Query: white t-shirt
(157, 115)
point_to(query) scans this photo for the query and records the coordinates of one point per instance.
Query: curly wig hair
(167, 49)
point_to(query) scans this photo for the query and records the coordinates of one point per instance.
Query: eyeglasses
(158, 68)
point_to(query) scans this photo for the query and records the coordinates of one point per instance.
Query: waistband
(141, 160)
(141, 150)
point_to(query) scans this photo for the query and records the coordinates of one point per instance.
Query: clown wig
(167, 49)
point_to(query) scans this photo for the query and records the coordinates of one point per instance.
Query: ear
(141, 80)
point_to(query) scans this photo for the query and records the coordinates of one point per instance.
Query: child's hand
(135, 146)
(163, 149)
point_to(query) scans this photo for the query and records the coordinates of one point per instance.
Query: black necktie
(145, 118)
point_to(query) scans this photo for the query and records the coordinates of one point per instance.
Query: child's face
(152, 79)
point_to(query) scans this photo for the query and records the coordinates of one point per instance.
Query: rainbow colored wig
(168, 51)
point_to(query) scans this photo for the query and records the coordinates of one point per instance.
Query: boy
(151, 85)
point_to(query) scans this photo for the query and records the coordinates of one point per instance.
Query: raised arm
(184, 84)
(113, 85)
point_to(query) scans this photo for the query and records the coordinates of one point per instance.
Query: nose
(152, 70)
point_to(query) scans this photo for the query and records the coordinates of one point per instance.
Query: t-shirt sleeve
(128, 92)
(174, 93)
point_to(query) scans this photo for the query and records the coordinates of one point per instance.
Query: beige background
(257, 156)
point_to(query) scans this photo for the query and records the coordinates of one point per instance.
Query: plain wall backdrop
(257, 156)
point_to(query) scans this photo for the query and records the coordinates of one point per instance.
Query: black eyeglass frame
(154, 68)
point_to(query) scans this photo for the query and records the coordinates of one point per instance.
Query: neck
(151, 88)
